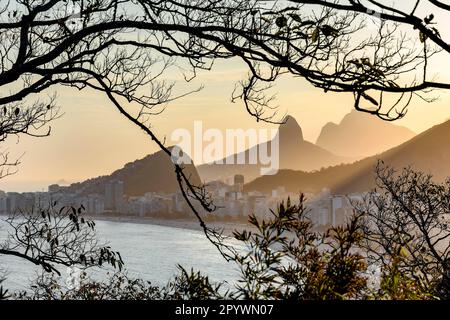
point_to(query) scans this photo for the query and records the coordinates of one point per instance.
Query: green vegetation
(401, 229)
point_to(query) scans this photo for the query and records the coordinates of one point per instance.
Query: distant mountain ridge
(428, 152)
(153, 173)
(294, 153)
(362, 135)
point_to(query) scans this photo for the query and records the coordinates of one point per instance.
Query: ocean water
(150, 252)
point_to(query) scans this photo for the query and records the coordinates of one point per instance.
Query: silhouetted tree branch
(187, 285)
(125, 41)
(395, 12)
(56, 236)
(126, 48)
(20, 119)
(407, 222)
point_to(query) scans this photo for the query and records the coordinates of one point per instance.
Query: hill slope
(294, 153)
(428, 152)
(360, 134)
(154, 173)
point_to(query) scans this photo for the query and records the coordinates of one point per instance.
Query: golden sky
(93, 139)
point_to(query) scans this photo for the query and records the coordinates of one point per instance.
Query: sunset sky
(92, 138)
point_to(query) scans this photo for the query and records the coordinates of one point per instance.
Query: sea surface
(150, 252)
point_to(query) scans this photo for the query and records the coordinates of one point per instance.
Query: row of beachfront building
(231, 202)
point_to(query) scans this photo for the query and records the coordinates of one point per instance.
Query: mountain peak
(359, 135)
(425, 152)
(153, 173)
(290, 129)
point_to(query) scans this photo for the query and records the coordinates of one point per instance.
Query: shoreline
(189, 224)
(227, 226)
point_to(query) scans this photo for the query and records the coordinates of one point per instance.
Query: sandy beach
(227, 227)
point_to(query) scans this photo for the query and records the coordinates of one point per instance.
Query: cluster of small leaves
(428, 20)
(395, 285)
(3, 292)
(293, 22)
(407, 232)
(55, 236)
(286, 259)
(120, 286)
(192, 286)
(117, 286)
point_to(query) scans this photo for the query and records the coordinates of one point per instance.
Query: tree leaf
(315, 35)
(281, 22)
(422, 37)
(429, 19)
(295, 17)
(329, 31)
(369, 98)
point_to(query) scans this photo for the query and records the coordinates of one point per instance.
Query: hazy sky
(93, 139)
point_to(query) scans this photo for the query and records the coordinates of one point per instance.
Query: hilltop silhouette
(428, 152)
(294, 153)
(153, 173)
(362, 135)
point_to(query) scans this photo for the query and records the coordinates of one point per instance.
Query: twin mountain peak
(356, 137)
